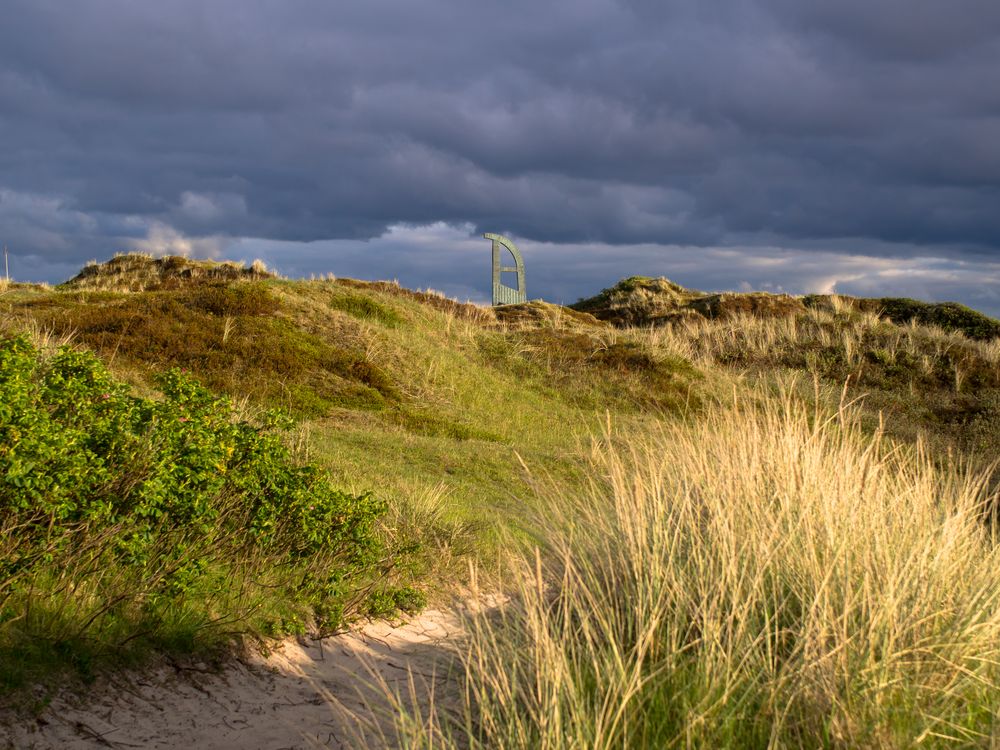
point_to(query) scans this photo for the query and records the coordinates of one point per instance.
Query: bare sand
(305, 694)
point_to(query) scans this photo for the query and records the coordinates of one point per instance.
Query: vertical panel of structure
(503, 294)
(497, 275)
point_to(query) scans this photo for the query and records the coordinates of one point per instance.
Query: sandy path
(303, 696)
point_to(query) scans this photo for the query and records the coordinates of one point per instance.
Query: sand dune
(305, 694)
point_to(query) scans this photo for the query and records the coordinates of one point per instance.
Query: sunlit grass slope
(451, 414)
(418, 396)
(131, 526)
(425, 401)
(766, 575)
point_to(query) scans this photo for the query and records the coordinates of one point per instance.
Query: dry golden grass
(925, 380)
(136, 272)
(763, 339)
(44, 338)
(9, 285)
(762, 577)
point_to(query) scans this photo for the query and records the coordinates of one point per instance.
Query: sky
(778, 145)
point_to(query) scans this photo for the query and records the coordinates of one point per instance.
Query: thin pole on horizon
(6, 268)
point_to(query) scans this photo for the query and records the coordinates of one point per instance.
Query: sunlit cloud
(163, 239)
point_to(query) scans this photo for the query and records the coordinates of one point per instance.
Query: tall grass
(767, 576)
(850, 333)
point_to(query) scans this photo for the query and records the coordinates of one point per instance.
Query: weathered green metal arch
(503, 294)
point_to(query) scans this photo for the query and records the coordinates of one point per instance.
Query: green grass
(769, 575)
(130, 525)
(363, 307)
(455, 415)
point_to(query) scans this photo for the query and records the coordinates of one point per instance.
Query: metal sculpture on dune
(503, 294)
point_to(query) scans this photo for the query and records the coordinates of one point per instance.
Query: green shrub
(387, 603)
(148, 507)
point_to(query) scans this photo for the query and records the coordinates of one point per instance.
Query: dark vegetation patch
(436, 301)
(591, 372)
(756, 304)
(537, 313)
(233, 300)
(364, 307)
(950, 316)
(228, 334)
(423, 422)
(130, 526)
(135, 272)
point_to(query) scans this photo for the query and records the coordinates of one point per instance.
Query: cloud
(204, 207)
(163, 239)
(826, 130)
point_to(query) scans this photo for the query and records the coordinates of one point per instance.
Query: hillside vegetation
(128, 523)
(462, 433)
(393, 385)
(766, 576)
(645, 301)
(921, 369)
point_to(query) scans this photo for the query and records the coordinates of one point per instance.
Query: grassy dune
(397, 392)
(738, 559)
(765, 576)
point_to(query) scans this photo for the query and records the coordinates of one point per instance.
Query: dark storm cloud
(870, 126)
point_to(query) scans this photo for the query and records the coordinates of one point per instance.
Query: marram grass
(763, 577)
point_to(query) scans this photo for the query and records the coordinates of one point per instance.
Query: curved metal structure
(503, 294)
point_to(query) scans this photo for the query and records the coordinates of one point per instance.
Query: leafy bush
(173, 493)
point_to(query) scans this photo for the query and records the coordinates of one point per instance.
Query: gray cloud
(204, 126)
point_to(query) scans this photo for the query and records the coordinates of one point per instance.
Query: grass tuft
(767, 576)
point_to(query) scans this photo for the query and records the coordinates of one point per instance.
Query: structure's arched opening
(508, 280)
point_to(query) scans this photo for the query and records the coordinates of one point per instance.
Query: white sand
(307, 694)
